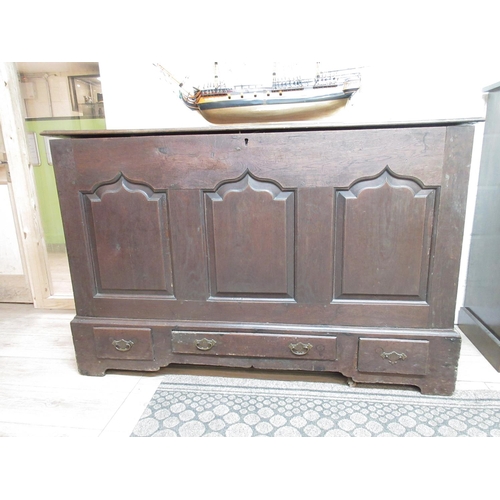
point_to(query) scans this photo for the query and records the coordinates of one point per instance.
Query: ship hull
(270, 107)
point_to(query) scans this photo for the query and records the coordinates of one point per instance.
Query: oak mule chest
(316, 248)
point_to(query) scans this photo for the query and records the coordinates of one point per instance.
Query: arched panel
(383, 239)
(250, 233)
(128, 234)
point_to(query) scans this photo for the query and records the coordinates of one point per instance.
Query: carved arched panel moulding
(383, 239)
(126, 222)
(250, 238)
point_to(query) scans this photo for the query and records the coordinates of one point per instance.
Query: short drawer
(404, 357)
(258, 345)
(123, 343)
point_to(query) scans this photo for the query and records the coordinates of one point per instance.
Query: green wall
(48, 201)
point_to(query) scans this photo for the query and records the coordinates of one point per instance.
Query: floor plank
(28, 372)
(59, 406)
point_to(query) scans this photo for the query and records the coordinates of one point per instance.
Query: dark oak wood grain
(340, 242)
(383, 239)
(128, 230)
(250, 233)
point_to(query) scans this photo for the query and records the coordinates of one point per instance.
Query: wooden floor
(42, 394)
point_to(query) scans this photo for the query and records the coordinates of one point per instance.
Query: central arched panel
(250, 238)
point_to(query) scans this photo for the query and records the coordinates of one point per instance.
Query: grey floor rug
(205, 406)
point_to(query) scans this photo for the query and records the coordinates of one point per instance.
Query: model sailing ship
(286, 99)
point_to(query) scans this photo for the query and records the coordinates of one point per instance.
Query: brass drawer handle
(393, 357)
(300, 349)
(123, 345)
(205, 344)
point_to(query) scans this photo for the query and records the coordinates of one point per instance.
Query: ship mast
(216, 76)
(187, 96)
(166, 72)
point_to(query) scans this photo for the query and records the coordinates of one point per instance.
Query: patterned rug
(196, 406)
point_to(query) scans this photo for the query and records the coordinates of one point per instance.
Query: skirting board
(481, 336)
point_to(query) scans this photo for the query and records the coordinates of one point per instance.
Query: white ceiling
(74, 68)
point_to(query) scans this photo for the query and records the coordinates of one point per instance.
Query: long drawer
(259, 345)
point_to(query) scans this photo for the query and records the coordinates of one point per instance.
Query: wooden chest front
(260, 239)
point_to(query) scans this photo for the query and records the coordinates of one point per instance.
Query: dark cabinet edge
(249, 128)
(267, 328)
(481, 336)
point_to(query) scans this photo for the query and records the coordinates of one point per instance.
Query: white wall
(137, 96)
(45, 86)
(50, 98)
(10, 257)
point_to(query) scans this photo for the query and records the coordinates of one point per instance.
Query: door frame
(23, 189)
